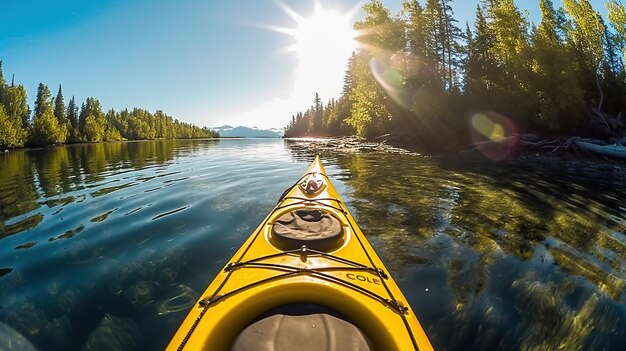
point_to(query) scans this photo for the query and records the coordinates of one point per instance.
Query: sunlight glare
(323, 43)
(325, 35)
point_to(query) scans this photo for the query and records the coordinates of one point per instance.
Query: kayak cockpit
(304, 327)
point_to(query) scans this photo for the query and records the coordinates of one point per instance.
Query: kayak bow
(306, 279)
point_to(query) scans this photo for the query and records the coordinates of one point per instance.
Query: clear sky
(237, 62)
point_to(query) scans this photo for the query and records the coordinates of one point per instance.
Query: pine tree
(72, 117)
(558, 98)
(315, 123)
(59, 106)
(370, 110)
(510, 52)
(416, 37)
(451, 35)
(432, 45)
(59, 113)
(434, 52)
(2, 84)
(369, 113)
(481, 65)
(585, 34)
(617, 17)
(43, 101)
(613, 71)
(46, 128)
(379, 30)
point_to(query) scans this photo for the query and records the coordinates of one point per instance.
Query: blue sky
(205, 62)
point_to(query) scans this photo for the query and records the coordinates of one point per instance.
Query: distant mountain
(227, 131)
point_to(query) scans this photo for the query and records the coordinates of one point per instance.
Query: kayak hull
(262, 275)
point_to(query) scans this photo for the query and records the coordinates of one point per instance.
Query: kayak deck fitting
(306, 279)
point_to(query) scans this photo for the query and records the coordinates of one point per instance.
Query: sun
(323, 42)
(325, 34)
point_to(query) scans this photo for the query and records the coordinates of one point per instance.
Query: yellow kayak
(306, 279)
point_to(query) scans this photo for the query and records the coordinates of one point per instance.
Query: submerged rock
(58, 333)
(182, 298)
(141, 293)
(27, 319)
(69, 299)
(10, 339)
(112, 334)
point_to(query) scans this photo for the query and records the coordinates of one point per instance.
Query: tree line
(418, 73)
(51, 122)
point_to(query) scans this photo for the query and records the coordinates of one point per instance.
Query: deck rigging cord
(290, 271)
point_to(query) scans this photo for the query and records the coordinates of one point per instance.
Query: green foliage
(54, 124)
(585, 32)
(560, 101)
(416, 74)
(16, 105)
(480, 62)
(47, 130)
(617, 17)
(94, 128)
(16, 111)
(44, 100)
(585, 42)
(46, 127)
(59, 106)
(13, 114)
(369, 112)
(72, 117)
(384, 32)
(11, 132)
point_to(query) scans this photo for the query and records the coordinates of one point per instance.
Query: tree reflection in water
(511, 255)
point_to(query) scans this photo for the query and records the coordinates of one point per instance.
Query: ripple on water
(68, 234)
(21, 226)
(103, 216)
(508, 250)
(105, 191)
(25, 245)
(170, 212)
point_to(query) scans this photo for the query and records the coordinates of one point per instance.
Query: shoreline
(30, 148)
(519, 154)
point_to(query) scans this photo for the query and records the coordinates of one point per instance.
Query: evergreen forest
(422, 75)
(52, 122)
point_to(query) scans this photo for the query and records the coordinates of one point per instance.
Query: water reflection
(63, 209)
(28, 176)
(108, 245)
(521, 255)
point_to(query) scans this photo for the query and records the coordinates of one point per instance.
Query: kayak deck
(277, 266)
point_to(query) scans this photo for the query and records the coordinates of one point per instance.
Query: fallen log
(614, 150)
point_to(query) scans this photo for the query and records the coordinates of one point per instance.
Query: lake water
(107, 246)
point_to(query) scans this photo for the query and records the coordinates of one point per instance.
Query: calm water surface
(107, 246)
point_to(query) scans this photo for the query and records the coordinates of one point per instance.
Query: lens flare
(495, 135)
(388, 70)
